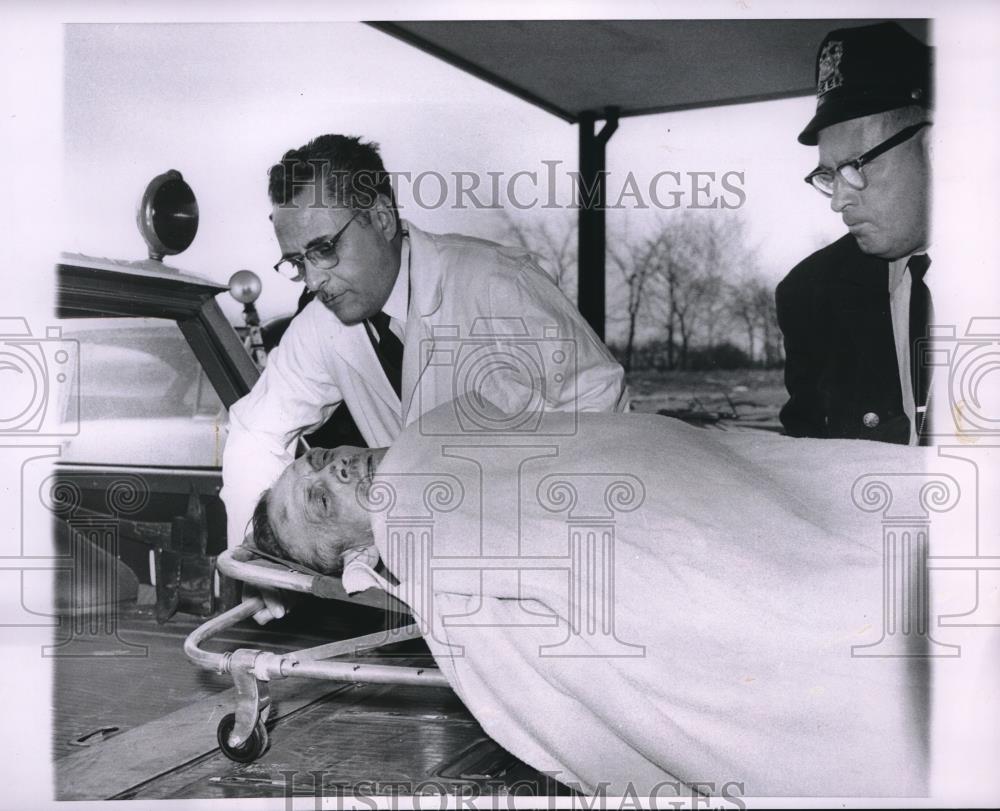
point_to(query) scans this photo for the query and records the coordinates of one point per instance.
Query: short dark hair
(328, 560)
(264, 536)
(350, 171)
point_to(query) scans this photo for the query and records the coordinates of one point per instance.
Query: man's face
(367, 252)
(316, 507)
(889, 217)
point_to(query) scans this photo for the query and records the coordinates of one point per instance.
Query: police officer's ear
(383, 217)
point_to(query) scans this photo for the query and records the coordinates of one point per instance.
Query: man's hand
(276, 603)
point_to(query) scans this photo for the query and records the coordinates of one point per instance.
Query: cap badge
(830, 76)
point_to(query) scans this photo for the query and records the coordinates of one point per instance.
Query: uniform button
(870, 420)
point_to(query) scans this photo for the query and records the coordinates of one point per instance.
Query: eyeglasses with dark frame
(322, 255)
(850, 171)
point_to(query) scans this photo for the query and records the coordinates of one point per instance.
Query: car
(155, 366)
(141, 384)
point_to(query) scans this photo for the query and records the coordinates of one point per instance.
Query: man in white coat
(402, 321)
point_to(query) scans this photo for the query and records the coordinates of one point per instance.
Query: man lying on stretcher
(313, 513)
(743, 583)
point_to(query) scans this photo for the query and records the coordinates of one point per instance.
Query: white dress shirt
(399, 297)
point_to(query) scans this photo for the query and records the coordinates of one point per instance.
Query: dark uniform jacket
(840, 368)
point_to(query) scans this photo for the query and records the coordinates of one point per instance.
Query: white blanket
(742, 576)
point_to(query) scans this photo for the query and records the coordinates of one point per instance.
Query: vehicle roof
(90, 287)
(148, 268)
(638, 67)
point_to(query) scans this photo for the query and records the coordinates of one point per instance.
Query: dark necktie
(921, 315)
(389, 350)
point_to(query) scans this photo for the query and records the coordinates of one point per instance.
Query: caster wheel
(252, 748)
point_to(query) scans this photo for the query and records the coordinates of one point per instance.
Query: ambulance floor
(133, 718)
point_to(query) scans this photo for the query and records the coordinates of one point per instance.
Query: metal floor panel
(370, 740)
(367, 739)
(99, 690)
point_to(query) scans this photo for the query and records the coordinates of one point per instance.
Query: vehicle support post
(591, 199)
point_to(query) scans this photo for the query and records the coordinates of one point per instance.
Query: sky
(222, 102)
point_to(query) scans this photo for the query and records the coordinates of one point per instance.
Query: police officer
(855, 314)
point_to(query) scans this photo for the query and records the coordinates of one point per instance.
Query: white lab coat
(468, 298)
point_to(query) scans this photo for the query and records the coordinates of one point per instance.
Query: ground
(749, 397)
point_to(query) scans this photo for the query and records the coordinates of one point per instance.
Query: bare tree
(742, 307)
(697, 254)
(751, 302)
(767, 318)
(638, 264)
(553, 240)
(695, 275)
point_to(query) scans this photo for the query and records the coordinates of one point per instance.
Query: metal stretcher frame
(242, 735)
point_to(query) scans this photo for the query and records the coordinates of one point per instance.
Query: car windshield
(135, 368)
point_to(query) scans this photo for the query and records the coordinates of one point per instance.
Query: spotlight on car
(167, 215)
(244, 286)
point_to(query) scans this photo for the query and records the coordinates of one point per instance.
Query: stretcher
(243, 734)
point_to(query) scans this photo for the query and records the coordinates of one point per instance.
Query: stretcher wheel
(252, 748)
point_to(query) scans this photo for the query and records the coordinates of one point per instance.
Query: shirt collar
(397, 304)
